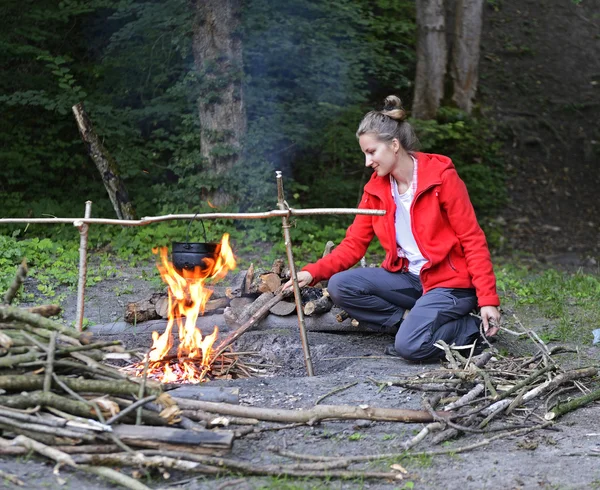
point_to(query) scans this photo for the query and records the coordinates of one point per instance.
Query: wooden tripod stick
(258, 315)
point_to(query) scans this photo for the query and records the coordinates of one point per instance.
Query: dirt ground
(540, 72)
(564, 457)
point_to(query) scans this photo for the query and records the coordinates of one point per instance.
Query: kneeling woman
(437, 262)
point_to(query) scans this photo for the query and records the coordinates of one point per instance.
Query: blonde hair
(389, 123)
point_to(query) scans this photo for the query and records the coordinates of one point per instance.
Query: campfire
(187, 297)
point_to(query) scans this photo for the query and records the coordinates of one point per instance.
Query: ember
(187, 299)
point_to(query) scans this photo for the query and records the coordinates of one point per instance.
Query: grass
(568, 300)
(291, 483)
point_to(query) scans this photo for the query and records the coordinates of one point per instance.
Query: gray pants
(379, 298)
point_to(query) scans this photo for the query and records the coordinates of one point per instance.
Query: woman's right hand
(304, 279)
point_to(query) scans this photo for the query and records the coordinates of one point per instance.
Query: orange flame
(187, 298)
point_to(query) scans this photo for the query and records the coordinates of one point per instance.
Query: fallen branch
(221, 465)
(106, 164)
(49, 452)
(539, 390)
(32, 399)
(319, 412)
(16, 284)
(18, 426)
(112, 387)
(114, 476)
(11, 313)
(562, 408)
(408, 454)
(11, 478)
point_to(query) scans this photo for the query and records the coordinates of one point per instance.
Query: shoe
(390, 350)
(480, 346)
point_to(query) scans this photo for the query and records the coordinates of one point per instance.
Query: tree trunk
(431, 58)
(465, 52)
(218, 57)
(106, 164)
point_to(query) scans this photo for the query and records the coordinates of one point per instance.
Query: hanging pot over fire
(189, 255)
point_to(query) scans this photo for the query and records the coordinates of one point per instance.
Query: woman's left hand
(490, 316)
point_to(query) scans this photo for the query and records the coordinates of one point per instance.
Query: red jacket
(444, 226)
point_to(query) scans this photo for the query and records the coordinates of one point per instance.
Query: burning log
(157, 307)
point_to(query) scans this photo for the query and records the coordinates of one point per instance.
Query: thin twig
(333, 392)
(137, 405)
(141, 393)
(50, 363)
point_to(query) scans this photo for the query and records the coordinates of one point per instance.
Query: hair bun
(392, 107)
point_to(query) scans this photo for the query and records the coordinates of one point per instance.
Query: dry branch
(562, 408)
(213, 466)
(16, 284)
(257, 316)
(106, 164)
(113, 387)
(11, 478)
(317, 413)
(11, 313)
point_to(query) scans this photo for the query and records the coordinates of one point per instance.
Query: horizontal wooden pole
(187, 217)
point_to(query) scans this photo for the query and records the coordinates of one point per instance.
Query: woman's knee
(415, 347)
(407, 350)
(339, 287)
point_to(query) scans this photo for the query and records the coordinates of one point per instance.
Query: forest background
(308, 71)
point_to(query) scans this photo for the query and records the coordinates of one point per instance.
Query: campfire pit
(186, 276)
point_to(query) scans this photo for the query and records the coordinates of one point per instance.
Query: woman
(437, 266)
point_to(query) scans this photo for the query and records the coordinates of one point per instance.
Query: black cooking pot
(187, 255)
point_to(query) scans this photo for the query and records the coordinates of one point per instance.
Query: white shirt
(407, 245)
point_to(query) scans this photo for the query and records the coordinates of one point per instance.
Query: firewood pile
(250, 290)
(491, 393)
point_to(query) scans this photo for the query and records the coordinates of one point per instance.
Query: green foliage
(311, 71)
(470, 144)
(51, 264)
